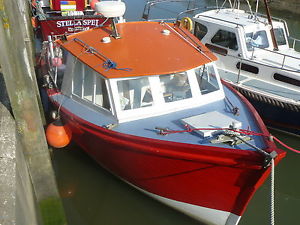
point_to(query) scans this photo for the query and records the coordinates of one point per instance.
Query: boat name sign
(68, 23)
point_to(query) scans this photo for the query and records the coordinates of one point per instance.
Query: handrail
(273, 17)
(149, 4)
(295, 41)
(262, 64)
(275, 52)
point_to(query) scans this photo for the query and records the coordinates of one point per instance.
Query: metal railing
(284, 57)
(295, 43)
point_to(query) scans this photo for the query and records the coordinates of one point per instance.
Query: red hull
(216, 178)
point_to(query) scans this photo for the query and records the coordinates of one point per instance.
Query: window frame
(159, 105)
(81, 98)
(225, 46)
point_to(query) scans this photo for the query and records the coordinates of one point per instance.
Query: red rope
(284, 145)
(241, 131)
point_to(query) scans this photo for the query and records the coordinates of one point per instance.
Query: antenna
(112, 10)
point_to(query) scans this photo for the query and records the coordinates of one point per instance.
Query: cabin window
(134, 93)
(90, 86)
(258, 39)
(101, 95)
(175, 86)
(225, 39)
(279, 35)
(286, 79)
(78, 79)
(207, 79)
(200, 30)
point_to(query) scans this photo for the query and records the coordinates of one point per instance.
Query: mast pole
(275, 45)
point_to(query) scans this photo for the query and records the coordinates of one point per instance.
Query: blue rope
(109, 64)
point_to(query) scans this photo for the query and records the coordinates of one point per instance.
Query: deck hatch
(212, 119)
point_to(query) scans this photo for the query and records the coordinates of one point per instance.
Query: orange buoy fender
(58, 134)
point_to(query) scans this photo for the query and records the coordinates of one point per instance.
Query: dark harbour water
(92, 196)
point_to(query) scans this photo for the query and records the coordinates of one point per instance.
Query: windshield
(258, 39)
(207, 79)
(134, 93)
(175, 86)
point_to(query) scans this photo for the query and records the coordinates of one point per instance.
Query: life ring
(187, 23)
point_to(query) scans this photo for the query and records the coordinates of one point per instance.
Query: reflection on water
(92, 196)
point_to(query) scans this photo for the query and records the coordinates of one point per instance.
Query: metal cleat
(230, 139)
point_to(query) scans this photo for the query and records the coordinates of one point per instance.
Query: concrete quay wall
(17, 204)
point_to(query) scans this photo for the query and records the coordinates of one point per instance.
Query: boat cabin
(231, 31)
(244, 46)
(131, 98)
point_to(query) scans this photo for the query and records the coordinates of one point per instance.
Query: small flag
(68, 5)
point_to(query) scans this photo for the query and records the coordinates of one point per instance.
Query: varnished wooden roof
(142, 47)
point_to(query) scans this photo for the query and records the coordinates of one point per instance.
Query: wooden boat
(145, 100)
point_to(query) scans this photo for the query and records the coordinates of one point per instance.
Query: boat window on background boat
(207, 79)
(279, 35)
(258, 39)
(200, 30)
(225, 39)
(134, 93)
(175, 86)
(286, 79)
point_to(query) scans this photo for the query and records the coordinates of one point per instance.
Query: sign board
(56, 26)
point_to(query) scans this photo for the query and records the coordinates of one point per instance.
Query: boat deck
(262, 86)
(146, 127)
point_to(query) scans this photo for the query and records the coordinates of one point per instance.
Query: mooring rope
(165, 131)
(272, 210)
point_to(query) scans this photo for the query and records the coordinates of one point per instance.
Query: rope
(108, 63)
(272, 210)
(234, 109)
(165, 131)
(284, 145)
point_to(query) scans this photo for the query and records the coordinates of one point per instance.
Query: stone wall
(17, 204)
